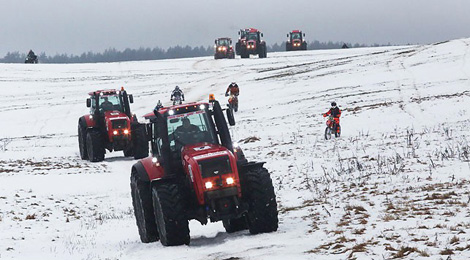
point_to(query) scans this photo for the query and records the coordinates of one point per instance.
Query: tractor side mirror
(262, 35)
(304, 34)
(215, 41)
(131, 98)
(230, 117)
(88, 102)
(230, 41)
(287, 35)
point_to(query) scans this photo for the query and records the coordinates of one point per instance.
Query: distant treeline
(113, 55)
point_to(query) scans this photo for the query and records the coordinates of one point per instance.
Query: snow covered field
(395, 185)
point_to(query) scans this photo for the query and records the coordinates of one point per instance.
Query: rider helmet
(177, 88)
(333, 104)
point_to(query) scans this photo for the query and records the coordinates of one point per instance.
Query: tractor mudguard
(148, 170)
(242, 168)
(88, 121)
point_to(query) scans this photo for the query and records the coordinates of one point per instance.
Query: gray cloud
(76, 26)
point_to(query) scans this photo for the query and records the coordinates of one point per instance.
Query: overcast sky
(77, 26)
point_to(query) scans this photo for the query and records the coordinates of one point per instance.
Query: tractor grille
(215, 166)
(119, 123)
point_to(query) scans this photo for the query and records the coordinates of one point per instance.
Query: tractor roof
(177, 108)
(104, 91)
(222, 38)
(251, 30)
(296, 31)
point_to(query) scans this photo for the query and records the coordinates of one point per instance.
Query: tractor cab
(175, 128)
(109, 100)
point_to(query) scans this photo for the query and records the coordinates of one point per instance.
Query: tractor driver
(187, 132)
(107, 105)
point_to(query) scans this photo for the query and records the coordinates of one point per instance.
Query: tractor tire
(139, 141)
(94, 145)
(82, 142)
(258, 192)
(304, 46)
(128, 151)
(262, 51)
(143, 209)
(235, 224)
(169, 208)
(288, 46)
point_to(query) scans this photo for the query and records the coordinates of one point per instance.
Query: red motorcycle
(331, 128)
(233, 103)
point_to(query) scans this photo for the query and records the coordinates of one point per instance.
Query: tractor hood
(204, 151)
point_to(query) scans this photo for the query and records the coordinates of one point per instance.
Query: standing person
(177, 96)
(336, 113)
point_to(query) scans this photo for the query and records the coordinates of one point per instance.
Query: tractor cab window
(189, 128)
(296, 36)
(223, 42)
(252, 36)
(110, 103)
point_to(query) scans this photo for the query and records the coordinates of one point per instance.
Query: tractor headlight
(208, 185)
(202, 107)
(115, 132)
(229, 181)
(171, 112)
(126, 131)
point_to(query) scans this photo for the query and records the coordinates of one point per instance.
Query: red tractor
(196, 172)
(250, 43)
(110, 125)
(224, 49)
(296, 41)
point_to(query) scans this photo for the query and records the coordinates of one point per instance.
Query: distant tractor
(196, 172)
(250, 43)
(224, 49)
(110, 125)
(296, 41)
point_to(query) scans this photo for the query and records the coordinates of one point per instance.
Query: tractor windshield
(110, 103)
(189, 128)
(252, 36)
(296, 36)
(223, 42)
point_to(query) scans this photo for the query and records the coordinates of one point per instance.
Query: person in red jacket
(336, 113)
(233, 89)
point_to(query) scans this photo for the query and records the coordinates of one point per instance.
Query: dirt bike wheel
(327, 133)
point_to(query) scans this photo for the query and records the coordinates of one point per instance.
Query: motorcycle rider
(177, 92)
(233, 89)
(336, 113)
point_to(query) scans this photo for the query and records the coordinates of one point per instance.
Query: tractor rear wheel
(139, 141)
(235, 224)
(169, 208)
(82, 142)
(143, 208)
(258, 192)
(94, 145)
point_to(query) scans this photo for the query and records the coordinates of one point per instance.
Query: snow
(394, 185)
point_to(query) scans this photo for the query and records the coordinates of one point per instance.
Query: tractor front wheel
(169, 208)
(143, 208)
(82, 142)
(94, 145)
(235, 224)
(139, 141)
(258, 192)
